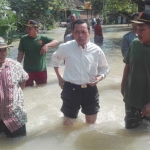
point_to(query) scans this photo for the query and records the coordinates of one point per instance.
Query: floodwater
(44, 126)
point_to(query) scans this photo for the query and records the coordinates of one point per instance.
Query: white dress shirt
(81, 65)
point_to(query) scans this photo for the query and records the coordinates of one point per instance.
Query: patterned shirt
(11, 96)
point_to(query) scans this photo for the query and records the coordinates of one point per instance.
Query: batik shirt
(11, 95)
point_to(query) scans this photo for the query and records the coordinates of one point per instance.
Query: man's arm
(124, 45)
(60, 79)
(66, 32)
(56, 59)
(68, 29)
(124, 78)
(50, 44)
(20, 56)
(103, 69)
(22, 85)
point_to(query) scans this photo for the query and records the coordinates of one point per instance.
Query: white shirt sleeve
(103, 67)
(57, 57)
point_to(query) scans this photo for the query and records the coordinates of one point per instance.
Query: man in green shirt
(135, 86)
(33, 48)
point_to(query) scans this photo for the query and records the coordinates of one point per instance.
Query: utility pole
(140, 5)
(103, 10)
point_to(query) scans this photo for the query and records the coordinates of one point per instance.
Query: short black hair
(136, 14)
(81, 21)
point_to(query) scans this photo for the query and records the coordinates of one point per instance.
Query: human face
(143, 32)
(98, 21)
(73, 18)
(32, 31)
(81, 34)
(3, 54)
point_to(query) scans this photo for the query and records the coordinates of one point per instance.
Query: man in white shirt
(85, 66)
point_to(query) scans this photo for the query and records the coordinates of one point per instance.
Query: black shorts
(133, 117)
(20, 132)
(74, 97)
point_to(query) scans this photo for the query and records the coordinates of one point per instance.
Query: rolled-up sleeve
(103, 67)
(57, 57)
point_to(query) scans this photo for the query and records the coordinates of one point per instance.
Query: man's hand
(99, 78)
(122, 90)
(146, 110)
(44, 49)
(61, 82)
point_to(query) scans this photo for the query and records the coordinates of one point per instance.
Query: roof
(78, 3)
(147, 2)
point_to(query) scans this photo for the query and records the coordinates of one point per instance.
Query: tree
(126, 6)
(7, 21)
(44, 11)
(140, 4)
(103, 6)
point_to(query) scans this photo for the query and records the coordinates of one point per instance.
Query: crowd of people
(85, 67)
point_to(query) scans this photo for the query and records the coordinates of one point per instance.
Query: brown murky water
(44, 127)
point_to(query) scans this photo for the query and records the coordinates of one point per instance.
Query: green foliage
(97, 6)
(7, 22)
(44, 11)
(121, 6)
(107, 6)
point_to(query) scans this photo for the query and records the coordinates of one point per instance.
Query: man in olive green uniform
(135, 86)
(33, 48)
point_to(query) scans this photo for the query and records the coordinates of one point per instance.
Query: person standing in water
(98, 35)
(33, 48)
(135, 86)
(68, 30)
(85, 66)
(12, 81)
(130, 36)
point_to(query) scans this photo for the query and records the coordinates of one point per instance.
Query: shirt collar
(85, 46)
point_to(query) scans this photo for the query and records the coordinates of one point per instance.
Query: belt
(83, 86)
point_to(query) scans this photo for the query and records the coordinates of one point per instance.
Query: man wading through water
(85, 66)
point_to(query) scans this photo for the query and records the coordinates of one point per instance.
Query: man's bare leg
(91, 119)
(68, 121)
